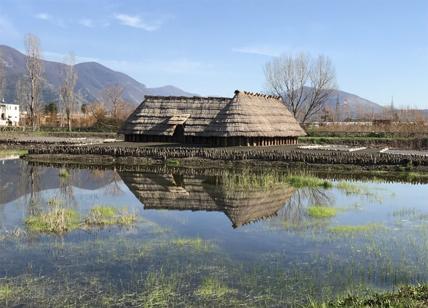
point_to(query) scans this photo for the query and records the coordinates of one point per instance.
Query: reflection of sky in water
(275, 237)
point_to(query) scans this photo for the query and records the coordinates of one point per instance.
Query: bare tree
(67, 97)
(112, 96)
(34, 67)
(22, 98)
(304, 83)
(97, 111)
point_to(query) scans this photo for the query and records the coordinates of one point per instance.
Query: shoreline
(197, 166)
(366, 158)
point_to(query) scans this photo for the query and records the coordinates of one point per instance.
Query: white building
(9, 114)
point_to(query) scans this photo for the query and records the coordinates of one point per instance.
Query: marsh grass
(196, 244)
(7, 291)
(355, 229)
(57, 220)
(351, 189)
(63, 173)
(5, 153)
(107, 216)
(300, 181)
(211, 288)
(321, 211)
(413, 176)
(172, 162)
(248, 181)
(160, 290)
(405, 296)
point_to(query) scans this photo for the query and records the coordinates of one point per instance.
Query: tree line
(109, 108)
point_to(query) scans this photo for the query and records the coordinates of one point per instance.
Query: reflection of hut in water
(194, 193)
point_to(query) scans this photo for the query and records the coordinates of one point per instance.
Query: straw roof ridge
(186, 97)
(258, 94)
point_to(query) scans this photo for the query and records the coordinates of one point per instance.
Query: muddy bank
(285, 154)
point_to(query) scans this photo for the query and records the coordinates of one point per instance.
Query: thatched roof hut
(246, 119)
(193, 193)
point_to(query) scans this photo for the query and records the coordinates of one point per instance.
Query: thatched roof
(159, 115)
(158, 191)
(246, 115)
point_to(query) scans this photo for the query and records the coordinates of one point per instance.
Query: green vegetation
(60, 220)
(413, 176)
(349, 189)
(196, 244)
(105, 216)
(248, 181)
(56, 220)
(299, 181)
(64, 173)
(349, 230)
(159, 291)
(405, 296)
(352, 189)
(319, 211)
(211, 288)
(172, 162)
(5, 153)
(6, 292)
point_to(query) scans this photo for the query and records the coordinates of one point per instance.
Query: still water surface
(204, 240)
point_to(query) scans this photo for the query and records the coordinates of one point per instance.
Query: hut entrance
(178, 135)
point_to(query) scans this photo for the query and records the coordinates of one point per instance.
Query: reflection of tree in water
(294, 211)
(30, 182)
(66, 189)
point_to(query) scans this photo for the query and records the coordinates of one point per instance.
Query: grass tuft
(56, 220)
(6, 292)
(106, 216)
(349, 230)
(211, 288)
(319, 211)
(197, 244)
(405, 296)
(6, 153)
(63, 173)
(299, 181)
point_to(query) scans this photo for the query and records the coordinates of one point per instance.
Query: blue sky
(379, 47)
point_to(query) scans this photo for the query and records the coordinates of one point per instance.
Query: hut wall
(215, 141)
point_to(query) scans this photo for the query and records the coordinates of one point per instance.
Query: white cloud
(51, 19)
(136, 21)
(86, 22)
(60, 57)
(269, 51)
(43, 16)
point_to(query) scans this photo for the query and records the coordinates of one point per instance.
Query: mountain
(92, 79)
(352, 106)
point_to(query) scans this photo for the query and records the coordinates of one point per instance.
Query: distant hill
(352, 106)
(92, 79)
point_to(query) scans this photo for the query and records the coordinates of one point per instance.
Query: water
(225, 237)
